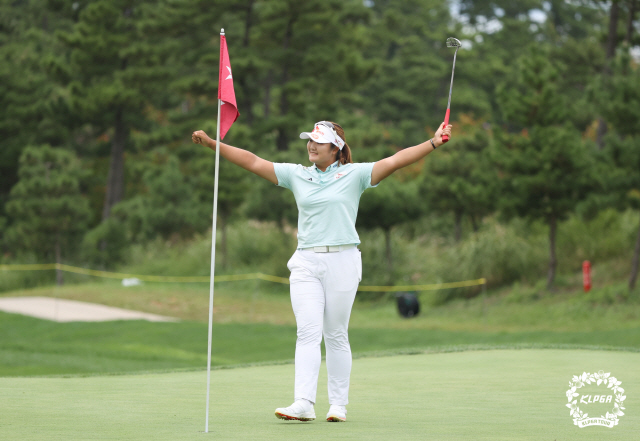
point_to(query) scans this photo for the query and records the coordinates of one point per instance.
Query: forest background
(99, 98)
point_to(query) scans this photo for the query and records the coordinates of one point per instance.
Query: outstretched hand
(442, 130)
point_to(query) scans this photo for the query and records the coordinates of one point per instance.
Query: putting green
(510, 394)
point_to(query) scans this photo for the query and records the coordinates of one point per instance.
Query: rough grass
(513, 309)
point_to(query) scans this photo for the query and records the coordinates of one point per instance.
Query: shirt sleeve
(365, 169)
(284, 173)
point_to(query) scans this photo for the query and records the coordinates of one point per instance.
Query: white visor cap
(323, 132)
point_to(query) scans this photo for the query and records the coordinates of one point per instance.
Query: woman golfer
(326, 267)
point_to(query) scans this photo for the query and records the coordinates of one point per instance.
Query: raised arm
(387, 166)
(243, 158)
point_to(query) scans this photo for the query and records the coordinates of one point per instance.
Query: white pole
(213, 261)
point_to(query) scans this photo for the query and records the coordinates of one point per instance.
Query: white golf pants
(323, 288)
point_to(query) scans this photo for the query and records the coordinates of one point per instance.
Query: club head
(453, 42)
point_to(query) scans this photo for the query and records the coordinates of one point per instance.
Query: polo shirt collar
(331, 167)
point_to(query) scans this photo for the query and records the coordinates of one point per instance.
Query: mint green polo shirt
(327, 201)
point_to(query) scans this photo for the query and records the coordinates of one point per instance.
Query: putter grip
(445, 138)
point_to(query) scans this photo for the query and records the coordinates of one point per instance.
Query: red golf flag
(228, 108)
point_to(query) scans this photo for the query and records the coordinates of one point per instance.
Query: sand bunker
(61, 310)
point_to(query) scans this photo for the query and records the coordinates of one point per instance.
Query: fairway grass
(30, 346)
(472, 395)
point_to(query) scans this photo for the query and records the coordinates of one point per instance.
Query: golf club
(451, 42)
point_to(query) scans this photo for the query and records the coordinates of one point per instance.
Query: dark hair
(344, 155)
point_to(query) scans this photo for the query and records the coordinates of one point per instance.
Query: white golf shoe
(301, 410)
(337, 413)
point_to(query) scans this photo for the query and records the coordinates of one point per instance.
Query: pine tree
(546, 170)
(294, 62)
(233, 186)
(48, 210)
(168, 203)
(387, 206)
(28, 111)
(113, 72)
(458, 179)
(410, 87)
(618, 97)
(266, 203)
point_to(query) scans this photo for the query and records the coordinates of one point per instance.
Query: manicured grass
(473, 395)
(30, 346)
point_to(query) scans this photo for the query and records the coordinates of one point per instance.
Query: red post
(586, 275)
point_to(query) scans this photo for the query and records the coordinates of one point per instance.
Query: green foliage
(46, 205)
(388, 205)
(608, 295)
(545, 173)
(625, 181)
(169, 205)
(408, 89)
(106, 245)
(502, 254)
(110, 66)
(524, 294)
(499, 253)
(459, 180)
(391, 204)
(262, 247)
(619, 99)
(606, 237)
(124, 82)
(531, 98)
(266, 203)
(28, 99)
(252, 247)
(233, 185)
(16, 280)
(278, 50)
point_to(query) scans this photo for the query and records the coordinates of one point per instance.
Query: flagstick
(213, 260)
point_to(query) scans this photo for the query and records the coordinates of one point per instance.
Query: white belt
(329, 249)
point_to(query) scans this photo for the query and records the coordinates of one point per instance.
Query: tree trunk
(115, 177)
(474, 224)
(610, 51)
(633, 4)
(223, 241)
(612, 37)
(248, 22)
(281, 140)
(387, 238)
(59, 278)
(634, 263)
(458, 225)
(553, 263)
(267, 95)
(600, 132)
